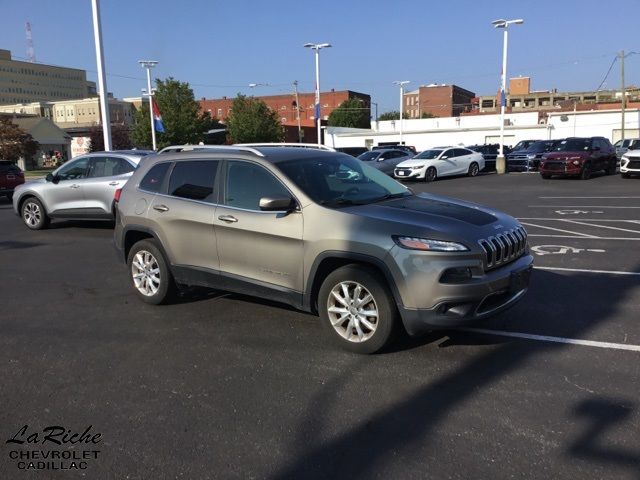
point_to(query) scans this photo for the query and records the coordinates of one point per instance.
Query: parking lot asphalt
(225, 386)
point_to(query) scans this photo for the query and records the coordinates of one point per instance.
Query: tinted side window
(152, 181)
(108, 167)
(247, 183)
(74, 170)
(194, 180)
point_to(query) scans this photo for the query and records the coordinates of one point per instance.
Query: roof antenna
(31, 54)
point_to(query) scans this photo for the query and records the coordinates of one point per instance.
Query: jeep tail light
(116, 196)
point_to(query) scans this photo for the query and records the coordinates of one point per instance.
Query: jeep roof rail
(285, 144)
(195, 148)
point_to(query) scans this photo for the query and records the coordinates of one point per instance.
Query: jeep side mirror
(381, 159)
(277, 204)
(55, 178)
(49, 177)
(444, 157)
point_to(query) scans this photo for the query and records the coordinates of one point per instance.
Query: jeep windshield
(573, 145)
(341, 181)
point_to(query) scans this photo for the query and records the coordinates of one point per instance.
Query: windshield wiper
(339, 201)
(390, 196)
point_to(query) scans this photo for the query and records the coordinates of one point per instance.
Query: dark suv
(528, 160)
(579, 157)
(10, 177)
(323, 232)
(489, 152)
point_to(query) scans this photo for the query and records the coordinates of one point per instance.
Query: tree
(119, 138)
(15, 143)
(184, 122)
(352, 113)
(392, 115)
(251, 121)
(427, 115)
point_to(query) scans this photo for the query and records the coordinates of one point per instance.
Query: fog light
(456, 275)
(576, 162)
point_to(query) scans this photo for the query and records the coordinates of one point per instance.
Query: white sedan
(440, 162)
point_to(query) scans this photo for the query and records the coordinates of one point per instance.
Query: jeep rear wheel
(357, 309)
(150, 274)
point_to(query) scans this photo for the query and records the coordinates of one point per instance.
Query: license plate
(401, 174)
(520, 280)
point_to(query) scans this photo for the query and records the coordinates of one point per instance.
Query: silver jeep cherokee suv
(320, 231)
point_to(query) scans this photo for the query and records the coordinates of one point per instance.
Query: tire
(149, 273)
(33, 214)
(546, 176)
(431, 174)
(474, 169)
(357, 333)
(585, 174)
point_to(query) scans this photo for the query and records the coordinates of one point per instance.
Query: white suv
(630, 163)
(440, 162)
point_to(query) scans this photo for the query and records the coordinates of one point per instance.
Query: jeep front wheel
(150, 274)
(357, 309)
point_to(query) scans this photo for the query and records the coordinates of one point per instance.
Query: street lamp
(148, 65)
(401, 84)
(317, 47)
(504, 24)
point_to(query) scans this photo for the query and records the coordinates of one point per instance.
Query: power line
(608, 72)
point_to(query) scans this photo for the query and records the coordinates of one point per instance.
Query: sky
(222, 47)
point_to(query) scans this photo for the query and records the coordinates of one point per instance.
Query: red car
(10, 177)
(579, 157)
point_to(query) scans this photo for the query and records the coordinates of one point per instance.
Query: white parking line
(546, 338)
(581, 219)
(576, 206)
(586, 270)
(558, 230)
(582, 238)
(588, 197)
(599, 226)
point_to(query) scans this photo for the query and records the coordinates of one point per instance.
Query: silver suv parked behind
(323, 232)
(82, 188)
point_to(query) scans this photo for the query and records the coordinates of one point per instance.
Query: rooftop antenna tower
(31, 54)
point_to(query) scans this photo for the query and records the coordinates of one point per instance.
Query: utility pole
(624, 99)
(295, 89)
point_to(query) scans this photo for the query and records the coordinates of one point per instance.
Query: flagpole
(148, 65)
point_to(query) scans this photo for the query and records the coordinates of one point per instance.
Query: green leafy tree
(184, 121)
(15, 143)
(252, 121)
(119, 138)
(352, 113)
(427, 115)
(392, 115)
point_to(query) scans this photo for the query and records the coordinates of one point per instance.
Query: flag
(503, 98)
(317, 112)
(157, 118)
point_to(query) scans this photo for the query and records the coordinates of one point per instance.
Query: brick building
(285, 105)
(438, 101)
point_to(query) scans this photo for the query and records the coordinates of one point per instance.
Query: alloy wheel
(32, 214)
(353, 311)
(145, 272)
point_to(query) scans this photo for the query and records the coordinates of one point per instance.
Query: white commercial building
(480, 129)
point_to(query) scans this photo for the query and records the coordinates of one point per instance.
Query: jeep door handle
(75, 185)
(228, 218)
(161, 208)
(113, 184)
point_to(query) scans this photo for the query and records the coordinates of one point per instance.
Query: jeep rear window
(152, 181)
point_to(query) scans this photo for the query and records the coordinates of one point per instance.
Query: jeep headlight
(429, 245)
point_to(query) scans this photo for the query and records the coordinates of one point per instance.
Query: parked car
(489, 152)
(528, 160)
(579, 157)
(440, 162)
(385, 160)
(353, 151)
(522, 145)
(323, 232)
(82, 188)
(10, 177)
(622, 146)
(630, 162)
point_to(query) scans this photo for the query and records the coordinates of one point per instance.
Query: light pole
(295, 90)
(102, 79)
(504, 24)
(148, 65)
(401, 84)
(317, 47)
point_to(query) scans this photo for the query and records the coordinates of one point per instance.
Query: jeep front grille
(504, 247)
